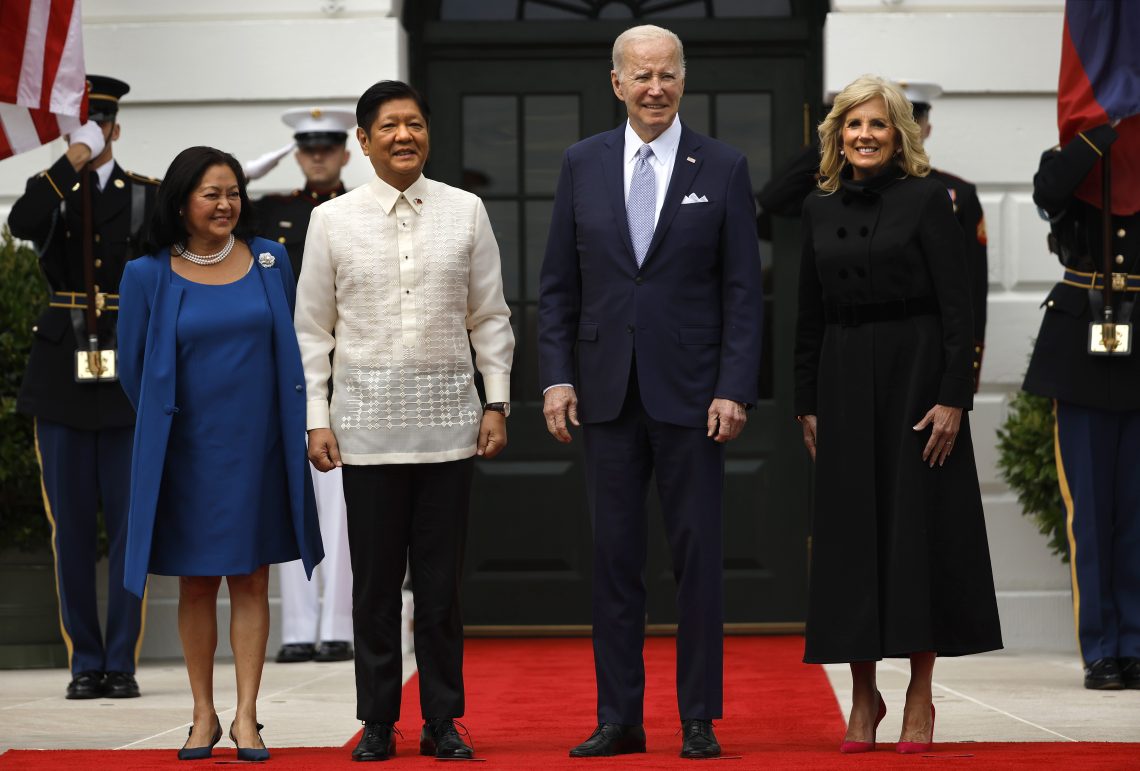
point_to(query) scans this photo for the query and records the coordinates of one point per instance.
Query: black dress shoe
(86, 685)
(440, 738)
(291, 653)
(1129, 672)
(611, 739)
(334, 650)
(201, 753)
(1103, 675)
(699, 740)
(120, 685)
(377, 743)
(256, 754)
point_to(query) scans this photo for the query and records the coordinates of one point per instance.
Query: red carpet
(529, 701)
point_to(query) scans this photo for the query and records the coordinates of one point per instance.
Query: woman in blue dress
(219, 484)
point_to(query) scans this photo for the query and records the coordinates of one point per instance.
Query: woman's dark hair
(368, 106)
(166, 226)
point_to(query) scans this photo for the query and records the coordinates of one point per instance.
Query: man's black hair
(368, 106)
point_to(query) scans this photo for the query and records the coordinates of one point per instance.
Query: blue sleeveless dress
(223, 508)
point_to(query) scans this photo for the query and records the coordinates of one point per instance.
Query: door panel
(499, 129)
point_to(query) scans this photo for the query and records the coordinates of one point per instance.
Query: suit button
(300, 388)
(639, 281)
(629, 328)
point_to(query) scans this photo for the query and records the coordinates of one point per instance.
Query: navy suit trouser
(1097, 452)
(82, 469)
(621, 456)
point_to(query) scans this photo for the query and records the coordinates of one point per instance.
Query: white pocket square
(694, 198)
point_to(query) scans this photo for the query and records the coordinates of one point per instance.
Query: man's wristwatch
(503, 408)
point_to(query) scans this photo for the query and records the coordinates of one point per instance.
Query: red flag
(43, 84)
(1100, 83)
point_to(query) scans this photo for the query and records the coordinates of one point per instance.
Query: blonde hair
(912, 159)
(643, 34)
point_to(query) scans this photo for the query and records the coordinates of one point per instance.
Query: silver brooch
(266, 260)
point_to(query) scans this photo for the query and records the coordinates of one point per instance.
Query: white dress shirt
(664, 153)
(399, 287)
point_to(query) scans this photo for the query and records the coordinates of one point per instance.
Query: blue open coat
(149, 303)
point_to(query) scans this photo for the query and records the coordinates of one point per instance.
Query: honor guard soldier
(783, 195)
(84, 215)
(315, 626)
(1084, 360)
(968, 211)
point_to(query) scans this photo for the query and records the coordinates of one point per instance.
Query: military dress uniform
(84, 430)
(308, 614)
(1097, 408)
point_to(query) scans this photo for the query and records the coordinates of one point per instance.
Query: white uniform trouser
(305, 618)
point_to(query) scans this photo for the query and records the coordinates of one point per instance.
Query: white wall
(998, 63)
(220, 73)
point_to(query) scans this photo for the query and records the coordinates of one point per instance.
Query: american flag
(43, 85)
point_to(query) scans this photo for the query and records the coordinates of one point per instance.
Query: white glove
(262, 165)
(90, 134)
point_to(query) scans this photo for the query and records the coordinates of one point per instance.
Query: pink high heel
(912, 748)
(852, 747)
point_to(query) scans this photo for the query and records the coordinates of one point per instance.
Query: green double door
(499, 128)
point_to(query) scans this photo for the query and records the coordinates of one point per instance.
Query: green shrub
(1028, 464)
(23, 295)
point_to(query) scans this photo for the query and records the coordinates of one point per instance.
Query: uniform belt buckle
(1119, 282)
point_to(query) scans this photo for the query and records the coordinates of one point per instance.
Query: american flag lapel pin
(690, 159)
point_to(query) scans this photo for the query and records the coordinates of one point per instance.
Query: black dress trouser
(397, 513)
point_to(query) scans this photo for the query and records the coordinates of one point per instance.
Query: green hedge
(1028, 464)
(23, 295)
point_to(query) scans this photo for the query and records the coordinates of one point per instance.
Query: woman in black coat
(884, 344)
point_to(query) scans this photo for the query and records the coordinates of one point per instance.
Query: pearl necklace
(205, 259)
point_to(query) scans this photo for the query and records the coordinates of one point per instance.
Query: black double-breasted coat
(900, 562)
(50, 214)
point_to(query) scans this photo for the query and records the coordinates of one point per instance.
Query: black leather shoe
(291, 653)
(86, 685)
(1130, 672)
(1103, 675)
(120, 685)
(377, 743)
(440, 738)
(698, 740)
(334, 650)
(611, 739)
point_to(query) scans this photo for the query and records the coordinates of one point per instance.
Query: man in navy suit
(649, 337)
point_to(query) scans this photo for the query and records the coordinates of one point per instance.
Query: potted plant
(29, 608)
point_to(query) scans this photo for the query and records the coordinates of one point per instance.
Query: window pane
(727, 9)
(477, 10)
(695, 112)
(505, 224)
(490, 145)
(551, 125)
(744, 121)
(537, 225)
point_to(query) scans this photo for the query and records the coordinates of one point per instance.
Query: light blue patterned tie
(641, 205)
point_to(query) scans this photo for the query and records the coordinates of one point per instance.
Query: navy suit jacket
(693, 311)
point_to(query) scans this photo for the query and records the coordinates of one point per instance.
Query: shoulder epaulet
(142, 178)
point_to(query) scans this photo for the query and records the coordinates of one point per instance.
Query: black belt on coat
(855, 314)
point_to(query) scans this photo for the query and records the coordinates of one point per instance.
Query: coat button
(1120, 259)
(863, 231)
(1121, 233)
(860, 273)
(843, 273)
(299, 388)
(842, 232)
(629, 328)
(639, 281)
